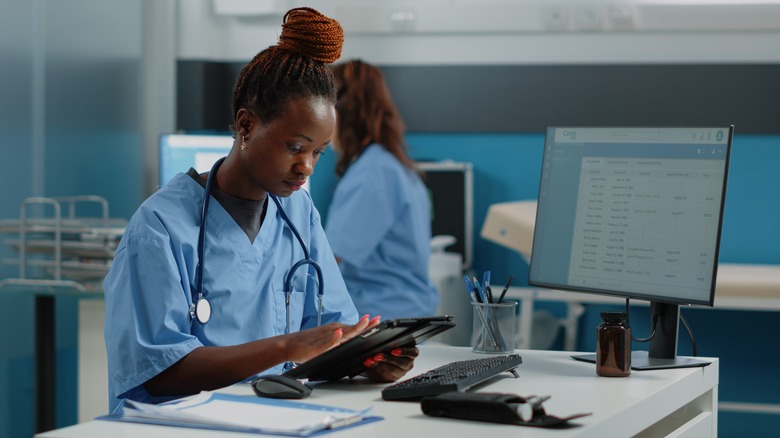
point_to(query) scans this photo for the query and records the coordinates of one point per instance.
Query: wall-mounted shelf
(58, 245)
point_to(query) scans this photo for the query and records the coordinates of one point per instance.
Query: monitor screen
(179, 152)
(633, 212)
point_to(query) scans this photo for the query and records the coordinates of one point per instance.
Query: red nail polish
(379, 357)
(396, 352)
(338, 330)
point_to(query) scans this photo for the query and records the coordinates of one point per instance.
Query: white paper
(246, 412)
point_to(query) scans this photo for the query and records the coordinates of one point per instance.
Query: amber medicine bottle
(613, 345)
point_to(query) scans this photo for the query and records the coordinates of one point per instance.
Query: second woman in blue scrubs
(379, 222)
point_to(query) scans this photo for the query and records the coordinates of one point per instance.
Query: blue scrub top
(379, 224)
(149, 287)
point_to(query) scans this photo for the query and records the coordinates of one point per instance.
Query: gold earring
(243, 143)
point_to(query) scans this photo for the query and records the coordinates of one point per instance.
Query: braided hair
(293, 68)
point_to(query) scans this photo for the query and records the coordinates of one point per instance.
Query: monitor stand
(663, 344)
(641, 360)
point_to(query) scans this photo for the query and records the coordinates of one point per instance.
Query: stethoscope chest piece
(201, 310)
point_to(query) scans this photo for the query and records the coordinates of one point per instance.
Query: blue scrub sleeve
(147, 314)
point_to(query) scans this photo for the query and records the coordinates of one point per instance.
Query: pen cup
(494, 327)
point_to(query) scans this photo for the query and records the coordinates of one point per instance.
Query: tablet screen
(346, 360)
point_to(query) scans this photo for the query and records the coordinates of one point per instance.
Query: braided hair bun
(295, 67)
(311, 34)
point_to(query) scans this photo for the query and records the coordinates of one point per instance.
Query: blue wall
(506, 168)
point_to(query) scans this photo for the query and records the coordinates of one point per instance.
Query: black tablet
(346, 360)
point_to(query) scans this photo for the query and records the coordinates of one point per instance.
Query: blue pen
(470, 289)
(475, 299)
(486, 286)
(480, 292)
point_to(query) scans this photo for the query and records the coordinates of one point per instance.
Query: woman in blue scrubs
(284, 117)
(379, 222)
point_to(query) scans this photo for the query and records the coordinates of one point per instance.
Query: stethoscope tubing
(199, 301)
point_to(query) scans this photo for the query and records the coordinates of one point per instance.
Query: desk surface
(620, 406)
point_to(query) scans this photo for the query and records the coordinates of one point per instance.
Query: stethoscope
(200, 309)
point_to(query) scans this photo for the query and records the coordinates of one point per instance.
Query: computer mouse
(280, 386)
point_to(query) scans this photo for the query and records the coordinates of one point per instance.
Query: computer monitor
(634, 212)
(179, 152)
(450, 187)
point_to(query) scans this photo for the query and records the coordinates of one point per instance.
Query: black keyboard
(454, 376)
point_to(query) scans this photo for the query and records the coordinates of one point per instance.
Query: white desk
(681, 400)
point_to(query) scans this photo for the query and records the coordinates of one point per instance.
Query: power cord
(655, 323)
(690, 335)
(652, 333)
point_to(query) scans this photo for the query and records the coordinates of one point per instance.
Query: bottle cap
(614, 316)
